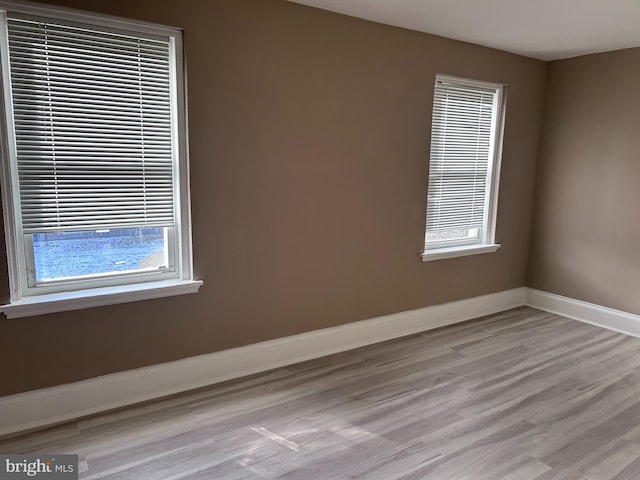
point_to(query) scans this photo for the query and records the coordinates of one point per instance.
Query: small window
(95, 174)
(464, 167)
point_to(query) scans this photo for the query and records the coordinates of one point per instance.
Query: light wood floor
(518, 395)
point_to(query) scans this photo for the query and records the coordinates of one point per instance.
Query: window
(95, 173)
(464, 167)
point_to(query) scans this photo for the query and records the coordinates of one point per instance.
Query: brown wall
(309, 138)
(586, 231)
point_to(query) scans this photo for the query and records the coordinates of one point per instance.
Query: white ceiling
(544, 29)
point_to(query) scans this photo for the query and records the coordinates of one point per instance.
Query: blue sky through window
(73, 254)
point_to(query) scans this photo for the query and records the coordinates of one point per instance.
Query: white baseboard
(48, 406)
(598, 315)
(39, 408)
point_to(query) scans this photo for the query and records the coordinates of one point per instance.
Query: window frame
(485, 242)
(94, 291)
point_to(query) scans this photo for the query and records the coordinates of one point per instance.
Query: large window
(464, 168)
(95, 177)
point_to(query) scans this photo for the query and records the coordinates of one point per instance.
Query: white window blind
(463, 137)
(92, 112)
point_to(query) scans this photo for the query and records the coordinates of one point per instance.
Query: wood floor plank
(520, 395)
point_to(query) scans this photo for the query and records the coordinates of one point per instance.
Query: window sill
(463, 251)
(98, 297)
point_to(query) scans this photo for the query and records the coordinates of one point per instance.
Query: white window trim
(459, 251)
(487, 243)
(98, 297)
(22, 305)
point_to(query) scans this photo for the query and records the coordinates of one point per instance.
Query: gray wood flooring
(518, 395)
